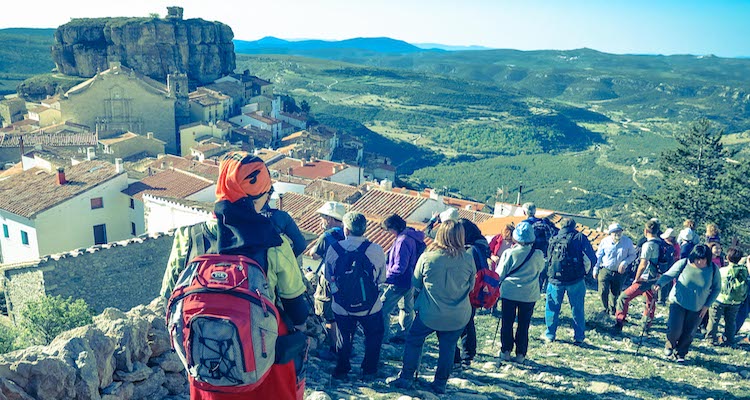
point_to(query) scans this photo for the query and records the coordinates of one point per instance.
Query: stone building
(120, 100)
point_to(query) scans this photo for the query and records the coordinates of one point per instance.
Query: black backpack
(543, 232)
(564, 265)
(666, 255)
(354, 279)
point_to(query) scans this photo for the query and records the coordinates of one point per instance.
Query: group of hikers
(238, 301)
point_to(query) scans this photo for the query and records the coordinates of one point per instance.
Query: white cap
(449, 214)
(668, 233)
(615, 227)
(333, 209)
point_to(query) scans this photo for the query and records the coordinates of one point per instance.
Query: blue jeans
(413, 351)
(576, 293)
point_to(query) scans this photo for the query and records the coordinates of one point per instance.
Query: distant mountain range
(273, 45)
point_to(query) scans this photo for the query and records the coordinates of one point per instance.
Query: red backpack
(223, 324)
(486, 289)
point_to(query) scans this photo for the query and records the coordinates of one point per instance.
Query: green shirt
(284, 274)
(443, 283)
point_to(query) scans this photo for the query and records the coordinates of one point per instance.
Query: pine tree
(701, 182)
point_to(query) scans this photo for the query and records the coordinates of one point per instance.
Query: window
(24, 238)
(97, 202)
(132, 203)
(6, 233)
(100, 234)
(132, 229)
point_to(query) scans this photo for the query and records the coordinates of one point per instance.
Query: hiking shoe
(458, 367)
(397, 340)
(519, 359)
(327, 355)
(546, 339)
(680, 359)
(402, 383)
(617, 328)
(437, 388)
(504, 356)
(668, 352)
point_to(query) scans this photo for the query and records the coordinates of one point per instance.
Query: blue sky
(645, 27)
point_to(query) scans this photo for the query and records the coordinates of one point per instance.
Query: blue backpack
(354, 286)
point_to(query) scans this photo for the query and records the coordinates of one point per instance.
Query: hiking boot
(438, 388)
(519, 359)
(402, 383)
(668, 352)
(546, 339)
(327, 355)
(458, 367)
(680, 359)
(617, 328)
(504, 356)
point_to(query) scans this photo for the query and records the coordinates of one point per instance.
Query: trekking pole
(650, 305)
(494, 337)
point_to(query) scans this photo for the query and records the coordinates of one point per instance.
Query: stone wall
(120, 274)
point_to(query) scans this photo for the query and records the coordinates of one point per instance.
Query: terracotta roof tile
(303, 209)
(50, 139)
(169, 183)
(476, 217)
(16, 197)
(381, 203)
(207, 169)
(333, 191)
(309, 169)
(494, 226)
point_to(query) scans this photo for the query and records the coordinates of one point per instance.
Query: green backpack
(735, 287)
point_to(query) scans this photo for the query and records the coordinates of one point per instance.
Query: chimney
(289, 171)
(90, 154)
(279, 202)
(61, 176)
(149, 135)
(334, 169)
(302, 162)
(118, 165)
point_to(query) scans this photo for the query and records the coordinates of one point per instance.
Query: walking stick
(650, 305)
(497, 328)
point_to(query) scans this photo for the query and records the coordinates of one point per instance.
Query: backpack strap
(528, 256)
(197, 242)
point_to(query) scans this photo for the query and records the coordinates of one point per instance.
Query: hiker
(669, 237)
(698, 284)
(284, 224)
(501, 242)
(712, 233)
(443, 278)
(519, 270)
(570, 259)
(402, 257)
(734, 288)
(687, 238)
(477, 244)
(450, 214)
(354, 269)
(331, 214)
(717, 258)
(745, 306)
(544, 230)
(239, 229)
(645, 276)
(615, 253)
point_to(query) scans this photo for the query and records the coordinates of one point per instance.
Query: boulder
(140, 373)
(90, 351)
(40, 375)
(169, 362)
(151, 386)
(130, 336)
(176, 383)
(154, 47)
(11, 391)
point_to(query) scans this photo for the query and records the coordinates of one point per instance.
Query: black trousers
(372, 326)
(681, 327)
(466, 348)
(524, 310)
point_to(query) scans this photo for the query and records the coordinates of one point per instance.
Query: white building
(169, 184)
(163, 215)
(45, 212)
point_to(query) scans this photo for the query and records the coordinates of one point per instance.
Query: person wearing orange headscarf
(242, 190)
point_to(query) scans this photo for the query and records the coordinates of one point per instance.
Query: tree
(7, 338)
(304, 106)
(44, 319)
(701, 182)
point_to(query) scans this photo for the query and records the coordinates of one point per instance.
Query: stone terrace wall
(120, 274)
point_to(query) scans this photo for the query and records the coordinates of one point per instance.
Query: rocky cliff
(152, 46)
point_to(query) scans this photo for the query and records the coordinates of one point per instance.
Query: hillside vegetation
(24, 52)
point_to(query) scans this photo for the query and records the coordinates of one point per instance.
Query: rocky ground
(605, 367)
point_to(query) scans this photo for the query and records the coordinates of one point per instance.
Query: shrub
(8, 337)
(44, 319)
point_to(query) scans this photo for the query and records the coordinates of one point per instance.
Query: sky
(718, 27)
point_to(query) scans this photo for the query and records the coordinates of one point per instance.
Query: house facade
(78, 207)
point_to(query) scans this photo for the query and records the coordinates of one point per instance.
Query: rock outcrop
(152, 46)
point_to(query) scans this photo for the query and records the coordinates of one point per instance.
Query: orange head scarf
(242, 175)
